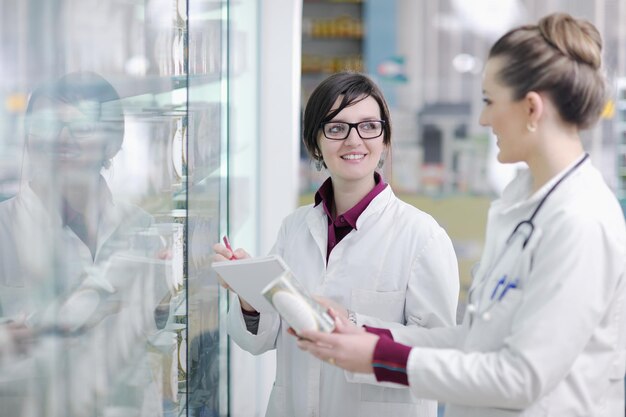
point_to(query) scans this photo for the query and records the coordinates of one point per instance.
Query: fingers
(320, 351)
(292, 332)
(317, 337)
(221, 253)
(343, 325)
(241, 254)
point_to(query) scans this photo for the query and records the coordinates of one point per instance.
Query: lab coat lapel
(37, 232)
(318, 226)
(375, 206)
(110, 221)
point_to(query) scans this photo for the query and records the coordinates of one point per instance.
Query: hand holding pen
(227, 244)
(225, 252)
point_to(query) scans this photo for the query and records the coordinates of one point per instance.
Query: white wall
(281, 38)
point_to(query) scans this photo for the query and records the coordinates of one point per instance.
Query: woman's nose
(353, 137)
(482, 120)
(64, 134)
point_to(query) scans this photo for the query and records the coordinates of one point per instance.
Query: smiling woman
(553, 264)
(352, 154)
(65, 265)
(373, 258)
(76, 121)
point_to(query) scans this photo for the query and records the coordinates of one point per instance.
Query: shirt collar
(325, 196)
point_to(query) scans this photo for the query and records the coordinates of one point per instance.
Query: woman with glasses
(376, 259)
(60, 274)
(544, 332)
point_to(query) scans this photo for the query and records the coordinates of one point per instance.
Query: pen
(511, 285)
(501, 281)
(227, 244)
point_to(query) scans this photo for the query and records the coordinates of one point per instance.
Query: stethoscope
(518, 239)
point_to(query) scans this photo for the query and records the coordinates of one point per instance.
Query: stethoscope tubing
(509, 281)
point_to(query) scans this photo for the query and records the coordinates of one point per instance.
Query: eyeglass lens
(51, 129)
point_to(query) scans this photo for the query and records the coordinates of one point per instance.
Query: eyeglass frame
(71, 127)
(356, 127)
(95, 127)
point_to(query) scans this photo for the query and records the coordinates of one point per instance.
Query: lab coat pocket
(492, 325)
(277, 406)
(376, 393)
(385, 305)
(394, 405)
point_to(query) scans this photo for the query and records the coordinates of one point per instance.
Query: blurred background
(213, 92)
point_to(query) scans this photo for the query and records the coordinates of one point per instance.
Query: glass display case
(114, 180)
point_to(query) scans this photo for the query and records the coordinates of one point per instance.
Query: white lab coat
(554, 346)
(397, 268)
(43, 263)
(37, 250)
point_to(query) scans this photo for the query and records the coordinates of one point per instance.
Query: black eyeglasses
(369, 129)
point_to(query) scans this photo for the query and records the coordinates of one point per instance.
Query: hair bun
(577, 39)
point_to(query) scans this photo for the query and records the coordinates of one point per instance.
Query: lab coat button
(471, 308)
(486, 316)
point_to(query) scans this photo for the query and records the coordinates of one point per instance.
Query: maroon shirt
(339, 227)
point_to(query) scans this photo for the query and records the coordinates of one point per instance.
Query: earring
(381, 162)
(318, 164)
(531, 127)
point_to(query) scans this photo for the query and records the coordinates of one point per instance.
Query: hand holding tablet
(268, 285)
(247, 277)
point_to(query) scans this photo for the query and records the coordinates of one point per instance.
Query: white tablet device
(248, 277)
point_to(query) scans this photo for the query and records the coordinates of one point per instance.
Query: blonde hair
(561, 56)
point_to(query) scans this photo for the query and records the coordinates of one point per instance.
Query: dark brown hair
(352, 87)
(561, 56)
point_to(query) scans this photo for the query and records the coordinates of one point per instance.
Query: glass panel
(207, 168)
(113, 111)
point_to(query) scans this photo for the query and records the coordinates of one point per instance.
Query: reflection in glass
(93, 280)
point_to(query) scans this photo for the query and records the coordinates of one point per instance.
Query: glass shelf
(153, 84)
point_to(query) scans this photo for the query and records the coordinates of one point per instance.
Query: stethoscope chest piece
(472, 309)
